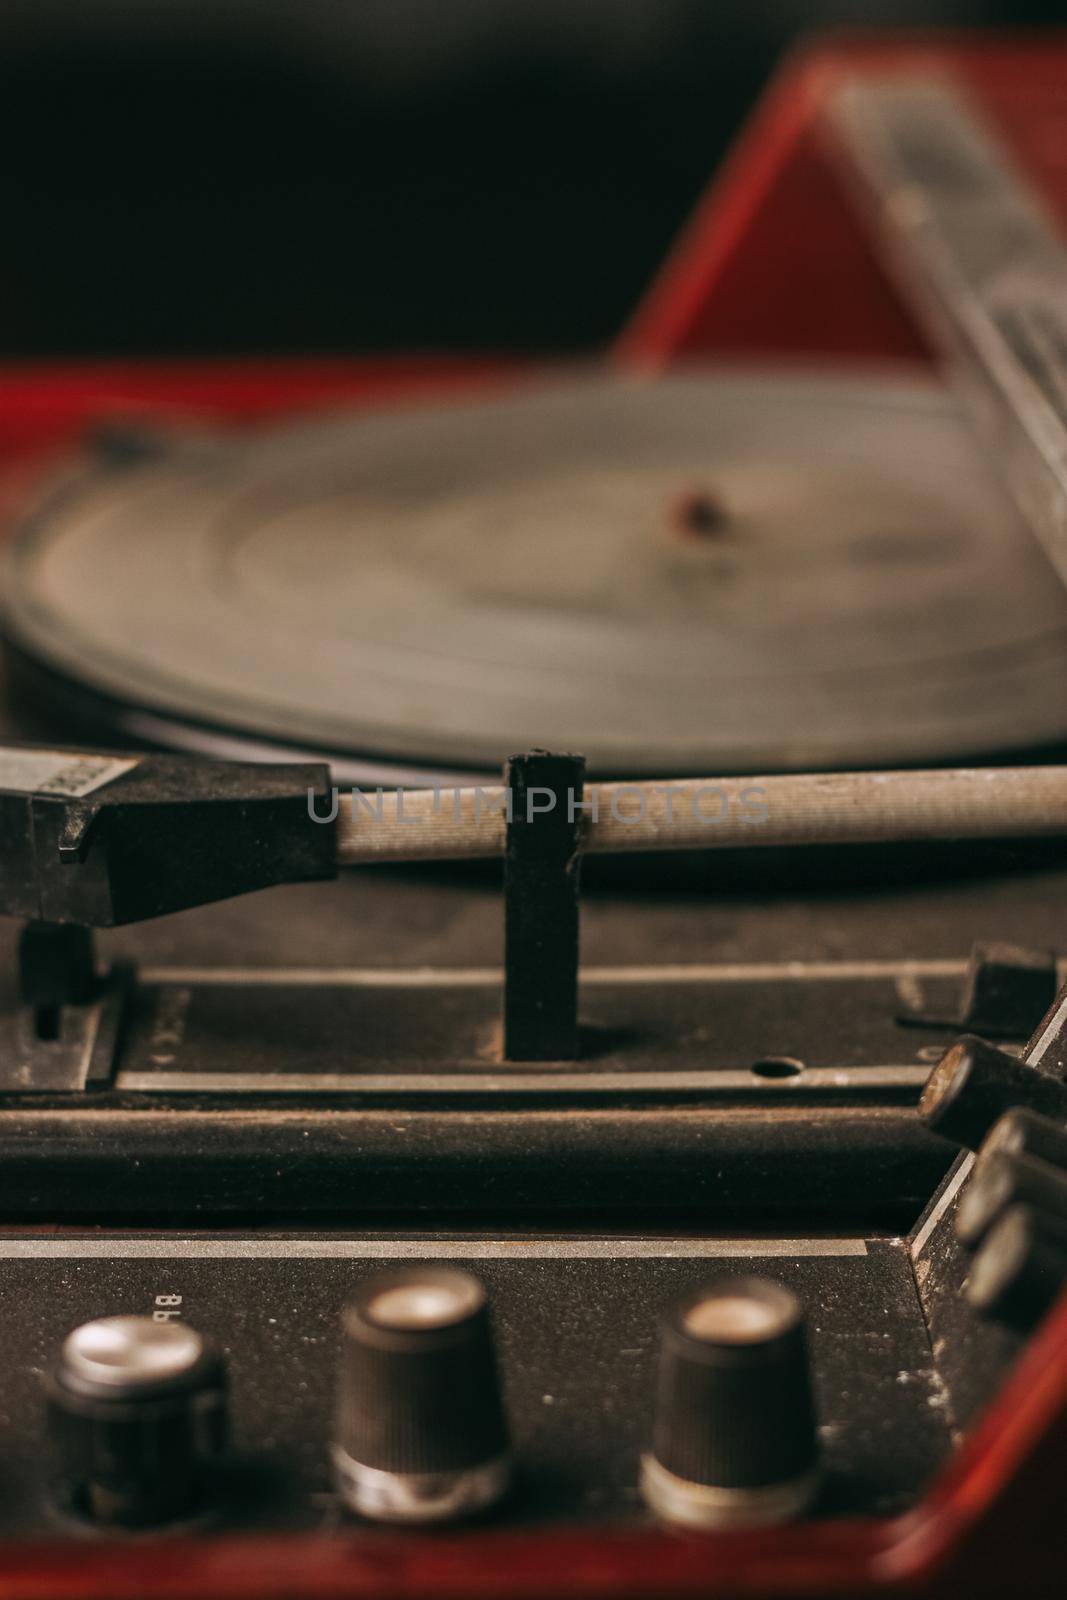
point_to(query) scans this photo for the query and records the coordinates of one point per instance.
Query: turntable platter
(716, 572)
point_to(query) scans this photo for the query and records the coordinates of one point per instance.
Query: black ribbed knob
(734, 1439)
(974, 1084)
(421, 1434)
(137, 1416)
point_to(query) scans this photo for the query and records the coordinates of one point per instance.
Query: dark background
(185, 176)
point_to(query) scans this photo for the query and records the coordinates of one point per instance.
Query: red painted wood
(723, 291)
(774, 263)
(45, 404)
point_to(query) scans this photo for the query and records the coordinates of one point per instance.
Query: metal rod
(719, 813)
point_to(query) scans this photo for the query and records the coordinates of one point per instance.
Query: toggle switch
(1019, 1268)
(1003, 1181)
(974, 1084)
(1024, 1133)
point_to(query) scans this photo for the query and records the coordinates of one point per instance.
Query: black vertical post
(57, 968)
(541, 872)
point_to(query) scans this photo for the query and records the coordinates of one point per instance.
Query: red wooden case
(774, 264)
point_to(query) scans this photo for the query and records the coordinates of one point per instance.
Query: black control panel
(576, 1321)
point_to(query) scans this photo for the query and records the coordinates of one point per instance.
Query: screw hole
(46, 1023)
(778, 1067)
(697, 514)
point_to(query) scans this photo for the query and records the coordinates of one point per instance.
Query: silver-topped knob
(131, 1352)
(137, 1415)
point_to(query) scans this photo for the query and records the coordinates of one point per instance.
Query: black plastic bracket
(65, 1032)
(1006, 992)
(541, 895)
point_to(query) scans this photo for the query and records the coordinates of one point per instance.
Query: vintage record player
(621, 1146)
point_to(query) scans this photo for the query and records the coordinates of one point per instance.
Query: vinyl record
(725, 571)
